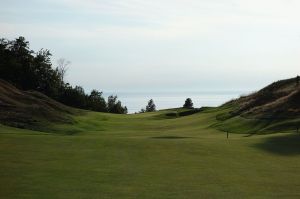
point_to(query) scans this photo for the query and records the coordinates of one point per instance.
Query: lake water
(164, 100)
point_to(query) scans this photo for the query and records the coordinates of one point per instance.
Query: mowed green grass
(147, 156)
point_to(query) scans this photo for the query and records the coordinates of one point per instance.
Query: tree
(75, 97)
(44, 77)
(125, 111)
(188, 103)
(96, 102)
(151, 106)
(62, 68)
(115, 106)
(20, 47)
(16, 64)
(111, 102)
(297, 80)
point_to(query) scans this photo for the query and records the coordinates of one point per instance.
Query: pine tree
(188, 103)
(151, 106)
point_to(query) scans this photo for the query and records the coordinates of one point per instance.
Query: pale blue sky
(117, 45)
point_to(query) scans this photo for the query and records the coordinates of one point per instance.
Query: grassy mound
(30, 109)
(279, 100)
(275, 107)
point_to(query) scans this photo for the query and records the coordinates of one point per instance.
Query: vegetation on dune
(277, 101)
(275, 107)
(29, 70)
(31, 109)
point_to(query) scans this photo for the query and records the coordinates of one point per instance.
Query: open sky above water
(164, 100)
(163, 44)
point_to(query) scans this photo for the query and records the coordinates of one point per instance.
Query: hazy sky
(117, 45)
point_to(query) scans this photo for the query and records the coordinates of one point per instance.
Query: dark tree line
(29, 70)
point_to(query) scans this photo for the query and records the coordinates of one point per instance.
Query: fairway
(151, 155)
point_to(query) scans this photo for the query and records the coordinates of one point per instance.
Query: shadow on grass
(249, 135)
(169, 137)
(282, 145)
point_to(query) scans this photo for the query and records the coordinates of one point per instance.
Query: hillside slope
(278, 100)
(30, 109)
(276, 106)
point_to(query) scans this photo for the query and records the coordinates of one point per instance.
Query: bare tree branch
(62, 67)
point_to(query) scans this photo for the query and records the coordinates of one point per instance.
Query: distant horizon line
(211, 91)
